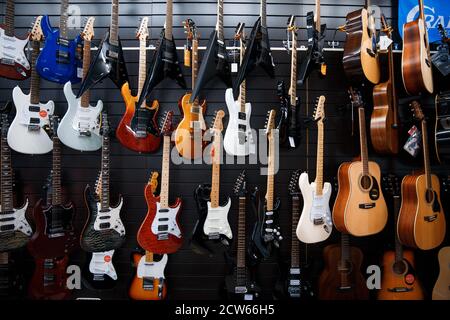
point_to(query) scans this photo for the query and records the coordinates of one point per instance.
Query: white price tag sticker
(80, 73)
(234, 67)
(384, 43)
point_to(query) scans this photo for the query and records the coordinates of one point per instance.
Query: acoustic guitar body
(124, 132)
(149, 240)
(359, 210)
(330, 279)
(399, 280)
(383, 135)
(184, 139)
(421, 222)
(137, 291)
(358, 63)
(441, 290)
(416, 65)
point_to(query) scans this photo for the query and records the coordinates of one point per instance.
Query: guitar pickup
(98, 277)
(399, 289)
(63, 42)
(318, 221)
(430, 218)
(242, 116)
(62, 57)
(8, 62)
(163, 210)
(367, 205)
(141, 133)
(294, 282)
(242, 127)
(195, 109)
(7, 227)
(147, 284)
(104, 225)
(240, 290)
(33, 127)
(112, 54)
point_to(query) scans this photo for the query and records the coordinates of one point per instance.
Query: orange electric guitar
(399, 281)
(190, 130)
(421, 221)
(160, 232)
(138, 129)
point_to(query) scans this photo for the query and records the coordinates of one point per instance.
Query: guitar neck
(86, 62)
(142, 65)
(270, 174)
(263, 13)
(295, 245)
(35, 80)
(421, 11)
(426, 154)
(317, 15)
(6, 175)
(63, 19)
(104, 178)
(242, 92)
(169, 22)
(148, 257)
(194, 61)
(392, 83)
(398, 245)
(293, 89)
(241, 234)
(9, 18)
(215, 184)
(114, 27)
(345, 258)
(219, 26)
(363, 141)
(56, 172)
(165, 173)
(319, 160)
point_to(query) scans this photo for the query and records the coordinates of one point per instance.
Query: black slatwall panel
(191, 276)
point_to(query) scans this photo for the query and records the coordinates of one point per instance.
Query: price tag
(80, 73)
(384, 43)
(234, 67)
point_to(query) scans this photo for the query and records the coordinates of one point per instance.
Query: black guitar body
(97, 240)
(243, 290)
(214, 64)
(96, 281)
(108, 62)
(288, 124)
(258, 53)
(164, 64)
(200, 243)
(442, 128)
(293, 284)
(314, 55)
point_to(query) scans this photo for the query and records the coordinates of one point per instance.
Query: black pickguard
(251, 288)
(164, 64)
(108, 62)
(215, 64)
(98, 240)
(96, 282)
(144, 121)
(58, 220)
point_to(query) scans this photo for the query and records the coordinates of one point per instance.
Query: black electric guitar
(258, 52)
(165, 61)
(215, 61)
(441, 59)
(239, 285)
(314, 55)
(442, 127)
(109, 60)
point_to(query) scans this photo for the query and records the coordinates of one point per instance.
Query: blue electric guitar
(60, 58)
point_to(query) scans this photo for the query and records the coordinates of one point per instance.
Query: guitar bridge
(367, 205)
(147, 284)
(8, 62)
(399, 289)
(163, 236)
(318, 221)
(214, 236)
(84, 133)
(160, 287)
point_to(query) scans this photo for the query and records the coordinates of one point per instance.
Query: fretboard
(35, 80)
(426, 154)
(165, 173)
(215, 181)
(363, 141)
(169, 22)
(293, 89)
(86, 62)
(105, 173)
(63, 19)
(295, 246)
(317, 15)
(9, 18)
(421, 12)
(242, 92)
(114, 27)
(345, 248)
(142, 65)
(56, 172)
(263, 13)
(270, 174)
(241, 234)
(319, 160)
(392, 84)
(219, 26)
(194, 62)
(6, 178)
(398, 245)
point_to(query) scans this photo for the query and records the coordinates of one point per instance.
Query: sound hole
(429, 196)
(399, 267)
(366, 182)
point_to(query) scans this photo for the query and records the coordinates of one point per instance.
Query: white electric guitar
(101, 263)
(315, 223)
(239, 140)
(216, 222)
(27, 133)
(80, 127)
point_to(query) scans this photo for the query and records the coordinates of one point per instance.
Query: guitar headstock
(291, 27)
(270, 122)
(153, 182)
(319, 112)
(392, 185)
(443, 33)
(36, 33)
(417, 111)
(105, 124)
(217, 125)
(293, 183)
(142, 32)
(356, 98)
(54, 123)
(166, 127)
(88, 32)
(239, 33)
(190, 29)
(240, 186)
(385, 27)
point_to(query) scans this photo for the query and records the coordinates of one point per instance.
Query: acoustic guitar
(441, 290)
(416, 61)
(421, 221)
(384, 120)
(360, 208)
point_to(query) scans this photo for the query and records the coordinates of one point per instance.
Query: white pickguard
(314, 207)
(231, 141)
(216, 221)
(101, 263)
(12, 50)
(18, 219)
(20, 137)
(154, 269)
(78, 121)
(167, 217)
(112, 216)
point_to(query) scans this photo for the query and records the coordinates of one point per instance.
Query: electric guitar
(314, 55)
(80, 127)
(289, 126)
(160, 232)
(137, 129)
(421, 221)
(258, 52)
(103, 230)
(99, 272)
(14, 64)
(60, 57)
(315, 223)
(215, 60)
(28, 132)
(165, 60)
(442, 127)
(360, 208)
(384, 124)
(11, 277)
(360, 50)
(239, 285)
(109, 61)
(399, 279)
(189, 133)
(15, 230)
(149, 281)
(417, 71)
(441, 290)
(239, 140)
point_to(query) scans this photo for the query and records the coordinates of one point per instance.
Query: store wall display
(117, 258)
